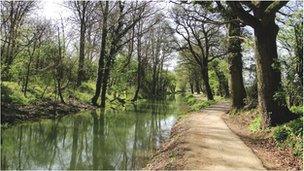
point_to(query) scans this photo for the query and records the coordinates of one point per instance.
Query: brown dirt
(202, 140)
(262, 144)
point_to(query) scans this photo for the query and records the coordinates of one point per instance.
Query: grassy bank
(198, 102)
(41, 101)
(279, 147)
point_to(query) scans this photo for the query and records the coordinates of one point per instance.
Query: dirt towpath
(202, 140)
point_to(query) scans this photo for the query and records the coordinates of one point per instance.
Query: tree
(222, 80)
(272, 103)
(84, 11)
(237, 89)
(35, 42)
(202, 40)
(125, 16)
(105, 12)
(13, 14)
(290, 46)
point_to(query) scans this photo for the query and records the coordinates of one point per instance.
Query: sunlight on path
(211, 145)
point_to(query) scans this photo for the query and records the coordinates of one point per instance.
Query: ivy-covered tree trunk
(197, 87)
(102, 55)
(237, 89)
(105, 81)
(191, 88)
(222, 80)
(80, 76)
(272, 104)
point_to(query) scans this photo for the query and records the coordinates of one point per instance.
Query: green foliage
(255, 125)
(11, 93)
(202, 104)
(290, 135)
(198, 103)
(297, 109)
(280, 134)
(88, 87)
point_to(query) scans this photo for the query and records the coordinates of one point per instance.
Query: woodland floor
(202, 140)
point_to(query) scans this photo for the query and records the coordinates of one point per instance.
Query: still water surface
(90, 139)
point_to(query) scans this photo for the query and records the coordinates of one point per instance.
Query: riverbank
(213, 140)
(13, 113)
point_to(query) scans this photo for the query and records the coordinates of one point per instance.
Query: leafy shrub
(296, 126)
(255, 125)
(290, 135)
(297, 109)
(280, 134)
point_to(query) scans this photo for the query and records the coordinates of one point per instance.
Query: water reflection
(90, 140)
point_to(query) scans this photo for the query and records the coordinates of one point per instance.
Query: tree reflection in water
(90, 140)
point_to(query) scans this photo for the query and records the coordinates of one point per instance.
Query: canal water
(91, 139)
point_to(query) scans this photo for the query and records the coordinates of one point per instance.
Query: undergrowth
(288, 135)
(199, 102)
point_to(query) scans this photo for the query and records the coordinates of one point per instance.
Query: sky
(53, 9)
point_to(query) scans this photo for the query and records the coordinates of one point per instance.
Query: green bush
(290, 135)
(281, 134)
(297, 109)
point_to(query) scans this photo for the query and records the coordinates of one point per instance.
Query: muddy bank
(11, 113)
(170, 155)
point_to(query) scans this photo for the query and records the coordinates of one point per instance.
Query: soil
(11, 113)
(202, 140)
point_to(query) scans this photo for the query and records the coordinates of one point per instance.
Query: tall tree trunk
(205, 78)
(139, 71)
(102, 55)
(191, 88)
(237, 89)
(272, 103)
(105, 83)
(139, 60)
(80, 76)
(197, 87)
(298, 30)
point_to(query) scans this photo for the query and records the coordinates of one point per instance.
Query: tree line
(210, 32)
(119, 45)
(125, 48)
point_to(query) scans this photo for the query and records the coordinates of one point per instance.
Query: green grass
(198, 103)
(11, 93)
